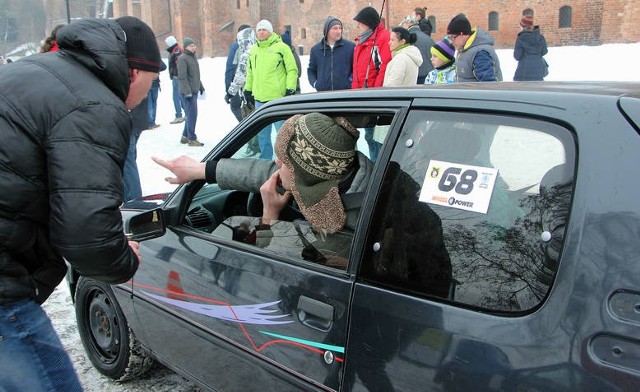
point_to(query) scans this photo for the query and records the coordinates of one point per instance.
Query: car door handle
(315, 314)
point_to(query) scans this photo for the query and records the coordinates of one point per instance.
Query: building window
(303, 33)
(238, 4)
(247, 3)
(432, 20)
(565, 17)
(527, 11)
(493, 21)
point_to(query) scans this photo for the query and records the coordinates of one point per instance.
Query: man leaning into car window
(317, 165)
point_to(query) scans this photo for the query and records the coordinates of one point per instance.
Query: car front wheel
(109, 343)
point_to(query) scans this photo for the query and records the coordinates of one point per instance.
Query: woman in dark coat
(530, 47)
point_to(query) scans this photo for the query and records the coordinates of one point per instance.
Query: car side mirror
(146, 225)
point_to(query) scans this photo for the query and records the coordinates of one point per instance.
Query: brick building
(213, 23)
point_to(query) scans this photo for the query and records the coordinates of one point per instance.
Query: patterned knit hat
(444, 51)
(318, 150)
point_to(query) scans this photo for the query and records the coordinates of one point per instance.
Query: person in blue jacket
(331, 59)
(529, 49)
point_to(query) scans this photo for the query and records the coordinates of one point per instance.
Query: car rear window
(473, 210)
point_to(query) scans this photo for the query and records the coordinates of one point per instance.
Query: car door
(464, 245)
(233, 316)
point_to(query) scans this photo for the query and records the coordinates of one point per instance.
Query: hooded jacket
(65, 140)
(478, 60)
(329, 67)
(403, 68)
(271, 69)
(374, 56)
(245, 40)
(529, 49)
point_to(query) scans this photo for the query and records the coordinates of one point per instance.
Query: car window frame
(560, 130)
(179, 201)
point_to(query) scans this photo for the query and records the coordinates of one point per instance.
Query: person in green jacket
(271, 73)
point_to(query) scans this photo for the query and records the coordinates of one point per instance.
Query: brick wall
(594, 22)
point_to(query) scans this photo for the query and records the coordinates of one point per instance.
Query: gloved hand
(249, 97)
(227, 98)
(189, 96)
(290, 92)
(201, 89)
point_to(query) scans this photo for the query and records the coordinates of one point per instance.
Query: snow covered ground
(606, 62)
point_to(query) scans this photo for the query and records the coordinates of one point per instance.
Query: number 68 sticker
(459, 186)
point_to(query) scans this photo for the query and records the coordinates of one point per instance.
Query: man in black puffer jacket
(65, 128)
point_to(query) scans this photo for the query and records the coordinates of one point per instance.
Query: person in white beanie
(174, 52)
(271, 73)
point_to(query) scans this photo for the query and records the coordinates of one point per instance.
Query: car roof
(516, 90)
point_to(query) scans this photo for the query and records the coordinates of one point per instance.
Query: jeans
(130, 174)
(32, 357)
(264, 137)
(235, 103)
(153, 104)
(178, 103)
(191, 111)
(374, 147)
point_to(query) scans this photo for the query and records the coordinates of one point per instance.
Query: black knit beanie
(368, 16)
(142, 48)
(459, 25)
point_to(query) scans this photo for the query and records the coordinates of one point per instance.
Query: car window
(230, 209)
(473, 209)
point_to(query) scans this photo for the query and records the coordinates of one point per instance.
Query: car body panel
(235, 318)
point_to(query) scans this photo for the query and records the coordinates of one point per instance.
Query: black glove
(201, 89)
(249, 97)
(227, 98)
(290, 92)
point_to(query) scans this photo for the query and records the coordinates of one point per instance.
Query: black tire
(107, 339)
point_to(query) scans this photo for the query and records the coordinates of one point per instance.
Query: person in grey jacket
(65, 126)
(529, 49)
(424, 43)
(477, 59)
(325, 181)
(189, 78)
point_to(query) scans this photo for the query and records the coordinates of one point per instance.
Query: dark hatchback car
(497, 248)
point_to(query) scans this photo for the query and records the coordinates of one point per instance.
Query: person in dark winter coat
(189, 78)
(420, 16)
(65, 125)
(174, 52)
(286, 38)
(424, 43)
(331, 59)
(529, 49)
(477, 59)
